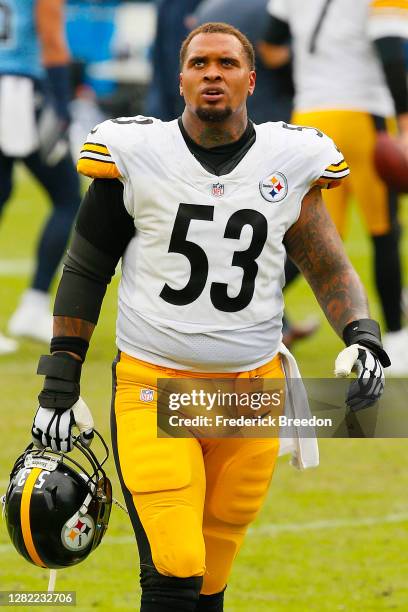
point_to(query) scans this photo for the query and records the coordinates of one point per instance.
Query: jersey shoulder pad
(104, 153)
(331, 167)
(96, 159)
(325, 164)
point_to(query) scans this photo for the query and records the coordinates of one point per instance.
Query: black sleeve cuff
(278, 32)
(391, 51)
(367, 333)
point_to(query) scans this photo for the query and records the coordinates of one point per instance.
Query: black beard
(213, 115)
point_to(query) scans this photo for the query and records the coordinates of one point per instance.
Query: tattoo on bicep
(315, 246)
(69, 326)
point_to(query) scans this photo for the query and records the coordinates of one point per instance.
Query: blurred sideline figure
(88, 21)
(33, 122)
(349, 74)
(272, 99)
(163, 99)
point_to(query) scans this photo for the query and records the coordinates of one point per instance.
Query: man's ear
(252, 82)
(181, 83)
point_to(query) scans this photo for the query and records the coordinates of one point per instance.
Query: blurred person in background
(34, 97)
(163, 98)
(88, 21)
(272, 100)
(350, 77)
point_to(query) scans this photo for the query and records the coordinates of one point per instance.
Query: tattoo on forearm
(315, 246)
(69, 326)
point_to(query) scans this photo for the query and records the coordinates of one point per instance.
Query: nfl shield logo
(217, 190)
(146, 395)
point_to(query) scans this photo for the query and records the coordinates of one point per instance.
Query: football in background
(390, 162)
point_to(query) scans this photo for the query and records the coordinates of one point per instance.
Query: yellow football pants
(355, 134)
(193, 497)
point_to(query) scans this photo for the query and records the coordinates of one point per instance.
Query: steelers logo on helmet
(57, 509)
(274, 187)
(79, 535)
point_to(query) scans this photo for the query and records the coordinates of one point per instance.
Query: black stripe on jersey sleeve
(94, 152)
(344, 170)
(96, 144)
(338, 164)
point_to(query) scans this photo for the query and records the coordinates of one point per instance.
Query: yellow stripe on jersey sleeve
(97, 169)
(388, 18)
(96, 161)
(336, 171)
(333, 175)
(96, 148)
(389, 4)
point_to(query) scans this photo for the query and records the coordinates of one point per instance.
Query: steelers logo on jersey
(274, 187)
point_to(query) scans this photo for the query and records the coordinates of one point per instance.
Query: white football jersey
(208, 255)
(335, 62)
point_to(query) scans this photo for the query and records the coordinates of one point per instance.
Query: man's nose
(213, 74)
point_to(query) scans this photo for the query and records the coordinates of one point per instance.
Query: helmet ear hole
(50, 497)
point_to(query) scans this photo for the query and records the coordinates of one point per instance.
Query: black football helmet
(56, 511)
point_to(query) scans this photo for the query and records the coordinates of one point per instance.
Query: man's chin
(213, 115)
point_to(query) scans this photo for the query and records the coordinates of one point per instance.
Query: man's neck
(209, 135)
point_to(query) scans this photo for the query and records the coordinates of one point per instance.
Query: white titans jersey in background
(202, 280)
(335, 63)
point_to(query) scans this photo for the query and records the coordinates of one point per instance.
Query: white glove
(368, 387)
(53, 428)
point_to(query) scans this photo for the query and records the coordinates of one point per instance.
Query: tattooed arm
(316, 248)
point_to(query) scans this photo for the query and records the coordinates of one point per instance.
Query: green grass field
(334, 538)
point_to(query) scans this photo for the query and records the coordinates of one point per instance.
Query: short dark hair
(219, 28)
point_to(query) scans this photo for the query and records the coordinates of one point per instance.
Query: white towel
(18, 132)
(305, 451)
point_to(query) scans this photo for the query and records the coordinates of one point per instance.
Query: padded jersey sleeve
(319, 161)
(387, 18)
(322, 162)
(329, 165)
(102, 155)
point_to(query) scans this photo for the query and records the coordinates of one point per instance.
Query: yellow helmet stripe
(25, 517)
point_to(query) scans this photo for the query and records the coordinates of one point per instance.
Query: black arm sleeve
(278, 32)
(101, 235)
(392, 55)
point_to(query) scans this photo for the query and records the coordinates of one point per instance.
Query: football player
(350, 80)
(34, 96)
(200, 209)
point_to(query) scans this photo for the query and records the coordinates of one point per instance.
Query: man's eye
(227, 62)
(198, 63)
